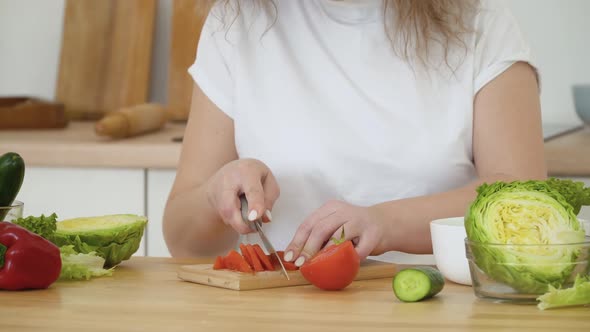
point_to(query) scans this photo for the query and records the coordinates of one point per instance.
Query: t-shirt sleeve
(499, 43)
(212, 69)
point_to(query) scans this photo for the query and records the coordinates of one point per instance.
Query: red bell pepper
(27, 260)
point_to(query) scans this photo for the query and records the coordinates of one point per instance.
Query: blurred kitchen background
(74, 173)
(31, 32)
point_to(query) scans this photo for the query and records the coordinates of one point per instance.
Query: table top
(144, 294)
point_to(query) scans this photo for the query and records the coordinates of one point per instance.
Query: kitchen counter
(569, 155)
(78, 146)
(144, 294)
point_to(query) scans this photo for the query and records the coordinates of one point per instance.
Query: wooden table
(144, 294)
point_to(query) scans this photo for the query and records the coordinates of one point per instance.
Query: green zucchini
(12, 174)
(417, 283)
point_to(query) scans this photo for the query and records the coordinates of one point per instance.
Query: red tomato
(333, 268)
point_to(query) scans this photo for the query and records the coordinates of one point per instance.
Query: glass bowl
(12, 212)
(523, 272)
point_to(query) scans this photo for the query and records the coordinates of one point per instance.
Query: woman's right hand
(250, 177)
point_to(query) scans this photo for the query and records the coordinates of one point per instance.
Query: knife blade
(256, 225)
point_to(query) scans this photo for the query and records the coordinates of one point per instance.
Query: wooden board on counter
(188, 17)
(205, 275)
(105, 56)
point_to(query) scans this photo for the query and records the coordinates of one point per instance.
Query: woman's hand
(251, 177)
(365, 226)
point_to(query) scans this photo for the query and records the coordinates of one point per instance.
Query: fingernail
(268, 215)
(289, 256)
(300, 261)
(253, 215)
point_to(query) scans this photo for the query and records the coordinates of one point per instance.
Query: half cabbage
(529, 224)
(114, 237)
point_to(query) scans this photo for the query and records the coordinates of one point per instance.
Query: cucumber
(417, 283)
(12, 174)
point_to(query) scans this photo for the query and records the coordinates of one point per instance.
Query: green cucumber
(417, 283)
(12, 174)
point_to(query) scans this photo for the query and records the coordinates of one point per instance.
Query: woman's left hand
(363, 225)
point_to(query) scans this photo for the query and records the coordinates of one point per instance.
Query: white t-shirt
(320, 97)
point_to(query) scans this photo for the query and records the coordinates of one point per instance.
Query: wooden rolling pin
(132, 121)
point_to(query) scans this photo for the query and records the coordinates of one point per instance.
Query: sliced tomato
(263, 258)
(246, 255)
(236, 262)
(219, 264)
(333, 268)
(254, 257)
(289, 266)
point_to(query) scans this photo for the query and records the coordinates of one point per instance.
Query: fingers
(312, 234)
(364, 242)
(271, 194)
(252, 188)
(229, 208)
(255, 181)
(327, 222)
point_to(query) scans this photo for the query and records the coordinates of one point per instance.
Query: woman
(373, 116)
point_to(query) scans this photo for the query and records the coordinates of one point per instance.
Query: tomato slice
(333, 268)
(219, 264)
(255, 260)
(236, 262)
(263, 258)
(246, 255)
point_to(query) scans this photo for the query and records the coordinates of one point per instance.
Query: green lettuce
(114, 237)
(520, 213)
(43, 226)
(578, 294)
(77, 266)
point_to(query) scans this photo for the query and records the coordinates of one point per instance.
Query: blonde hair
(414, 27)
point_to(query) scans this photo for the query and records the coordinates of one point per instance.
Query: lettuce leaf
(45, 226)
(78, 266)
(578, 294)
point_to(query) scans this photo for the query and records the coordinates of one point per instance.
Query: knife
(256, 225)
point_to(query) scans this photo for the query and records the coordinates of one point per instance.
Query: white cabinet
(159, 183)
(82, 192)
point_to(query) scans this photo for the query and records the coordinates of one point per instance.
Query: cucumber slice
(417, 283)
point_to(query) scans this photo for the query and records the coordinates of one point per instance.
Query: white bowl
(448, 245)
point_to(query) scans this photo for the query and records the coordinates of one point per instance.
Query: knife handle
(244, 207)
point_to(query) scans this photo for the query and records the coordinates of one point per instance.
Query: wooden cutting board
(105, 56)
(188, 17)
(205, 275)
(31, 113)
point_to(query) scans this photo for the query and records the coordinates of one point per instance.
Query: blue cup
(582, 102)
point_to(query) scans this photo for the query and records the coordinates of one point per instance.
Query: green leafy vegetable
(526, 213)
(113, 237)
(574, 192)
(578, 294)
(43, 226)
(77, 266)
